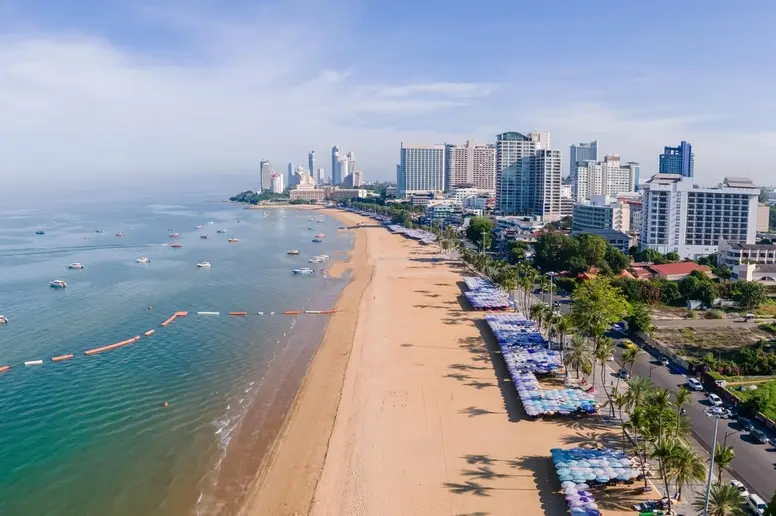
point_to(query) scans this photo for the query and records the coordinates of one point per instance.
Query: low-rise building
(736, 253)
(421, 198)
(765, 274)
(601, 212)
(678, 271)
(308, 194)
(342, 194)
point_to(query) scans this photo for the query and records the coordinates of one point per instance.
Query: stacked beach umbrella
(483, 295)
(580, 469)
(526, 354)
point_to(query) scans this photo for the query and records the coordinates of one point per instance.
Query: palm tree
(536, 313)
(629, 357)
(686, 467)
(602, 353)
(660, 399)
(724, 500)
(638, 391)
(578, 355)
(681, 398)
(723, 456)
(664, 453)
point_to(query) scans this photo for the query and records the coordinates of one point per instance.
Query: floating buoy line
(167, 322)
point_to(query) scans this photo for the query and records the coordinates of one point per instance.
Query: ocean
(91, 435)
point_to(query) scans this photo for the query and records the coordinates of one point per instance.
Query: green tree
(592, 248)
(669, 292)
(673, 256)
(707, 293)
(723, 456)
(685, 467)
(480, 232)
(517, 251)
(771, 509)
(688, 286)
(578, 355)
(553, 250)
(616, 259)
(724, 500)
(759, 400)
(629, 360)
(597, 306)
(639, 319)
(750, 294)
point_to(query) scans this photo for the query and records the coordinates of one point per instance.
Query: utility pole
(711, 468)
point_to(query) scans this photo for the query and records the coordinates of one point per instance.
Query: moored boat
(58, 284)
(174, 235)
(75, 265)
(203, 236)
(303, 270)
(119, 234)
(221, 231)
(293, 251)
(233, 240)
(198, 226)
(203, 264)
(142, 259)
(3, 319)
(317, 240)
(40, 232)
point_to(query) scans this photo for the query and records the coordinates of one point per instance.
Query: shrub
(691, 314)
(714, 314)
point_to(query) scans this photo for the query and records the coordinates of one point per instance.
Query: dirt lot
(695, 342)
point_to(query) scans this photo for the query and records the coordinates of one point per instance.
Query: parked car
(772, 441)
(759, 436)
(624, 374)
(664, 361)
(744, 422)
(741, 488)
(694, 384)
(715, 400)
(721, 412)
(756, 504)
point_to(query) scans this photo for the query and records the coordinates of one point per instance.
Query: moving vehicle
(694, 384)
(58, 284)
(142, 259)
(203, 264)
(293, 252)
(759, 436)
(664, 361)
(715, 400)
(756, 504)
(741, 488)
(75, 265)
(745, 423)
(624, 374)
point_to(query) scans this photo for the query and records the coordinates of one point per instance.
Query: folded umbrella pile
(483, 295)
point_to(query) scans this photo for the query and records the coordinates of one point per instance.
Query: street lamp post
(551, 275)
(711, 468)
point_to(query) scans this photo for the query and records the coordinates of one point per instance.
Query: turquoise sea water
(90, 436)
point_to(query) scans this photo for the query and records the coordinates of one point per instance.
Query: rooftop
(670, 269)
(761, 247)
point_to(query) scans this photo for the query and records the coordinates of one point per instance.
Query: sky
(158, 94)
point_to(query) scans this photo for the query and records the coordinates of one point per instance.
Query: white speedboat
(221, 231)
(203, 237)
(198, 226)
(175, 235)
(143, 259)
(203, 264)
(293, 251)
(303, 270)
(315, 259)
(233, 240)
(323, 256)
(75, 265)
(3, 319)
(119, 234)
(210, 222)
(58, 284)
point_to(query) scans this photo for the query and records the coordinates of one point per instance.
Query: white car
(756, 504)
(715, 400)
(694, 384)
(741, 488)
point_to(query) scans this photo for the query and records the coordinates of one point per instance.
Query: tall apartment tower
(678, 160)
(527, 175)
(292, 179)
(470, 165)
(351, 158)
(358, 178)
(607, 177)
(421, 169)
(335, 177)
(342, 170)
(580, 152)
(321, 176)
(266, 175)
(311, 163)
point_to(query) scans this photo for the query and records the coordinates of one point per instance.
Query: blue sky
(131, 91)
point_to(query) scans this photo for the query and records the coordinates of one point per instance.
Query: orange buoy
(61, 358)
(111, 346)
(292, 312)
(4, 368)
(241, 314)
(149, 333)
(168, 321)
(181, 314)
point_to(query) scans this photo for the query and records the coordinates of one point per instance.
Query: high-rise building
(678, 160)
(601, 212)
(580, 152)
(311, 162)
(351, 158)
(358, 178)
(421, 169)
(607, 177)
(342, 169)
(321, 176)
(335, 177)
(528, 175)
(680, 216)
(470, 165)
(266, 175)
(292, 179)
(277, 184)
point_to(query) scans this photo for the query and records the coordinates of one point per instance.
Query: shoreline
(294, 462)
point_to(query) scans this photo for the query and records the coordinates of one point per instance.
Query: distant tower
(335, 177)
(266, 175)
(351, 157)
(311, 163)
(678, 160)
(321, 176)
(292, 179)
(342, 170)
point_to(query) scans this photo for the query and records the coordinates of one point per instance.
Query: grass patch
(723, 341)
(770, 410)
(767, 309)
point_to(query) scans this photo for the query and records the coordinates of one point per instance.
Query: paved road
(754, 463)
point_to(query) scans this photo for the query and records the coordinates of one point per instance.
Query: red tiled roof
(669, 269)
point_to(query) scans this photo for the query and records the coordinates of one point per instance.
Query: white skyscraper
(266, 175)
(277, 184)
(358, 178)
(421, 169)
(582, 152)
(342, 169)
(470, 164)
(607, 177)
(335, 177)
(351, 157)
(525, 186)
(311, 162)
(321, 176)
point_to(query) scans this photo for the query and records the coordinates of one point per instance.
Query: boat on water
(198, 226)
(323, 256)
(176, 245)
(303, 270)
(58, 284)
(317, 240)
(342, 227)
(315, 259)
(319, 221)
(75, 265)
(119, 234)
(40, 232)
(99, 231)
(142, 259)
(311, 228)
(203, 236)
(203, 264)
(320, 235)
(233, 240)
(210, 222)
(293, 251)
(3, 319)
(222, 231)
(174, 235)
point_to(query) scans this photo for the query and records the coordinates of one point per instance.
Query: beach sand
(428, 421)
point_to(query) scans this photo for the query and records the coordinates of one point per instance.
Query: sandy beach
(407, 408)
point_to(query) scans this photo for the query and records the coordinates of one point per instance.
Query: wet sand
(426, 420)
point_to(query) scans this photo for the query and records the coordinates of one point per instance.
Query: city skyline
(151, 89)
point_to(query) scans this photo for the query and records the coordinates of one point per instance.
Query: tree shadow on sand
(479, 385)
(546, 482)
(467, 367)
(468, 487)
(475, 411)
(484, 473)
(508, 392)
